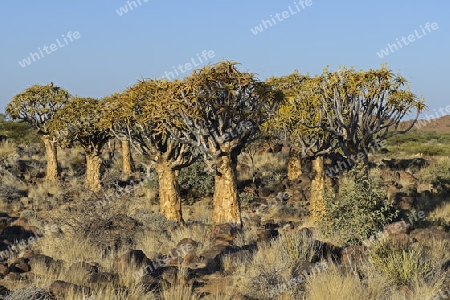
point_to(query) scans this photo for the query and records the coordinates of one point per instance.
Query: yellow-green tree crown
(37, 104)
(79, 122)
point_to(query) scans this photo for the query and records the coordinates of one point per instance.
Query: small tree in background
(360, 109)
(295, 121)
(139, 113)
(36, 106)
(78, 123)
(290, 86)
(349, 110)
(115, 110)
(219, 114)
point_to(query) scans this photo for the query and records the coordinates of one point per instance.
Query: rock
(265, 235)
(225, 232)
(401, 239)
(61, 288)
(102, 278)
(17, 233)
(38, 261)
(20, 267)
(211, 257)
(397, 228)
(402, 200)
(264, 192)
(4, 222)
(187, 245)
(3, 291)
(132, 258)
(150, 283)
(406, 202)
(4, 270)
(328, 250)
(125, 222)
(192, 261)
(170, 275)
(82, 268)
(427, 235)
(14, 276)
(354, 256)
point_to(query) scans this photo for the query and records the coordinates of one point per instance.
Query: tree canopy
(37, 104)
(79, 123)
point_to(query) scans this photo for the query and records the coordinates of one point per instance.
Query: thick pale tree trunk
(93, 164)
(169, 193)
(126, 158)
(225, 202)
(294, 165)
(51, 155)
(317, 200)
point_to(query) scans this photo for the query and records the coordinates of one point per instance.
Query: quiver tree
(114, 110)
(294, 121)
(290, 87)
(78, 123)
(361, 109)
(221, 110)
(36, 105)
(141, 111)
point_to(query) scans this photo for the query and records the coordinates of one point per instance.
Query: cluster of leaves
(360, 209)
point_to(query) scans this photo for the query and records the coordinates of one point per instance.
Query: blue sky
(113, 51)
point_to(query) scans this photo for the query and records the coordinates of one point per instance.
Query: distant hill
(440, 125)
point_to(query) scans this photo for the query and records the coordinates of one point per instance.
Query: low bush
(196, 182)
(400, 263)
(360, 209)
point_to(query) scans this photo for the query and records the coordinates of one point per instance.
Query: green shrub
(19, 132)
(151, 180)
(428, 143)
(399, 263)
(196, 181)
(246, 198)
(359, 210)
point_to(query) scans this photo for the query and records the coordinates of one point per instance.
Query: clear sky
(115, 48)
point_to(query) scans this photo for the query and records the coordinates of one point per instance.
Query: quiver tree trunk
(317, 200)
(126, 158)
(225, 202)
(169, 193)
(294, 164)
(93, 164)
(51, 155)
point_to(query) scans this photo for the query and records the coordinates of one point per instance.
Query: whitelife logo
(266, 24)
(411, 38)
(188, 66)
(48, 50)
(124, 9)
